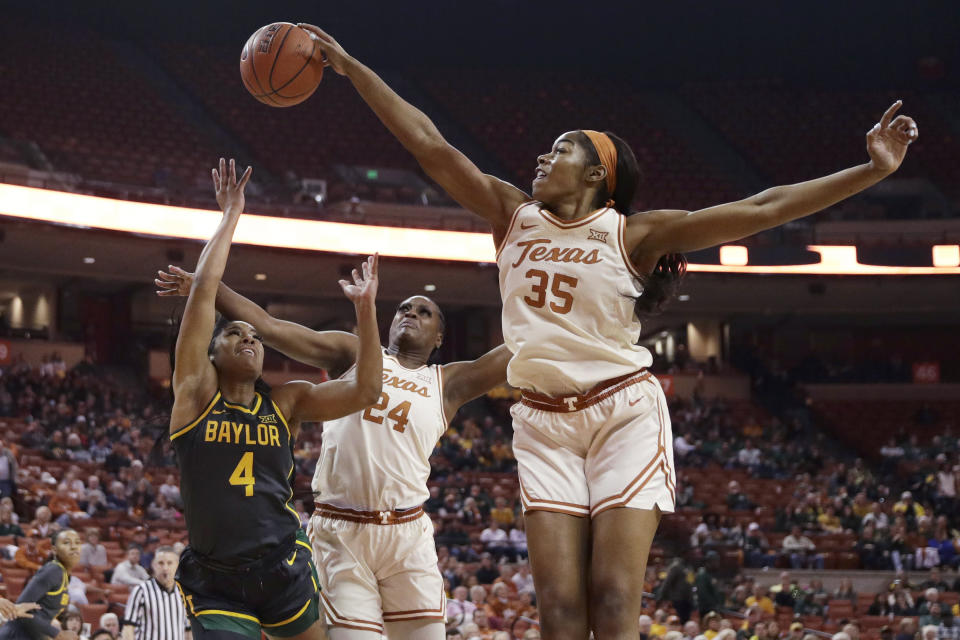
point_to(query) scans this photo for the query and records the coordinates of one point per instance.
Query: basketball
(275, 65)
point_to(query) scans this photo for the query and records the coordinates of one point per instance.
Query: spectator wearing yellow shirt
(659, 628)
(829, 522)
(861, 505)
(762, 600)
(908, 508)
(501, 512)
(711, 624)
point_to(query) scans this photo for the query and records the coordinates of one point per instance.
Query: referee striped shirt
(157, 614)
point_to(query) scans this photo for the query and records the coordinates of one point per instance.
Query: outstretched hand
(329, 52)
(888, 140)
(230, 192)
(10, 610)
(364, 287)
(175, 283)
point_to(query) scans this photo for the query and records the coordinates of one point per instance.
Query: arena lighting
(946, 255)
(83, 211)
(733, 255)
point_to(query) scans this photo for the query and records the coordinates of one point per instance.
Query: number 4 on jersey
(398, 414)
(242, 475)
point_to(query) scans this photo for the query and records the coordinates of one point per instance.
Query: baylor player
(248, 567)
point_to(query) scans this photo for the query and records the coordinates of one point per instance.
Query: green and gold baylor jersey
(236, 475)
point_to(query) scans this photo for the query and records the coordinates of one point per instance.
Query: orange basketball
(275, 65)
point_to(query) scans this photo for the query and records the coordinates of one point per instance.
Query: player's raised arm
(194, 377)
(334, 351)
(660, 232)
(337, 398)
(492, 199)
(464, 381)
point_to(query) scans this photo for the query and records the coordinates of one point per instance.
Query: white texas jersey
(568, 291)
(379, 459)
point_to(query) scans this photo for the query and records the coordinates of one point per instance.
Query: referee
(155, 608)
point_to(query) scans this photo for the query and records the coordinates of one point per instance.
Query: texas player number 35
(562, 299)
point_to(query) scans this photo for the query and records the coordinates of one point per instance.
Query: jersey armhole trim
(203, 414)
(513, 222)
(283, 418)
(443, 402)
(621, 228)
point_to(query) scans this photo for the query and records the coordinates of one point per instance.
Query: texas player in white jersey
(373, 543)
(592, 417)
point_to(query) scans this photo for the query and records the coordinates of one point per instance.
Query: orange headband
(608, 156)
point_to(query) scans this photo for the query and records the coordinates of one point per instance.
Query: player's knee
(562, 607)
(614, 607)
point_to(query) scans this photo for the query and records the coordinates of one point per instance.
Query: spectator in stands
(129, 571)
(930, 597)
(785, 595)
(469, 513)
(33, 552)
(711, 625)
(872, 548)
(944, 542)
(756, 549)
(495, 540)
(501, 513)
(749, 456)
(761, 599)
(929, 632)
(659, 626)
(682, 448)
(459, 609)
(795, 632)
(486, 572)
(92, 553)
(8, 471)
(117, 498)
(94, 500)
(522, 579)
(7, 526)
(844, 591)
(77, 590)
(676, 589)
(42, 522)
(935, 581)
(102, 634)
(907, 629)
(518, 539)
(933, 616)
(908, 509)
(877, 517)
(801, 550)
(111, 623)
(726, 634)
(879, 606)
(645, 622)
(72, 621)
(481, 620)
(690, 630)
(829, 521)
(901, 548)
(737, 500)
(749, 625)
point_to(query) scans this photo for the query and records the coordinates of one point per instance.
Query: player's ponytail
(663, 282)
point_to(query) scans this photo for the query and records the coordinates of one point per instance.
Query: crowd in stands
(79, 450)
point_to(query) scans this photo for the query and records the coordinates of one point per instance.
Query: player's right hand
(228, 189)
(364, 287)
(329, 52)
(175, 283)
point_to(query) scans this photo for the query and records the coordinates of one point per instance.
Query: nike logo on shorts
(527, 226)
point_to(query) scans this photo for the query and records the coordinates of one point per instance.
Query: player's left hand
(175, 283)
(364, 287)
(888, 140)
